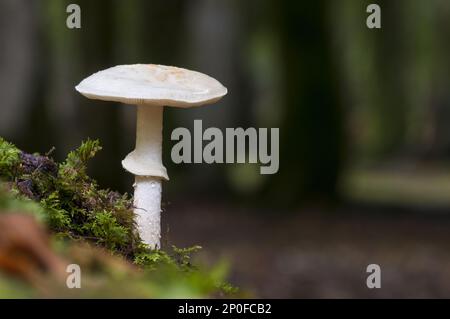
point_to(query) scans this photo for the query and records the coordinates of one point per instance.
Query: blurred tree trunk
(22, 115)
(70, 55)
(429, 78)
(312, 131)
(442, 80)
(389, 111)
(214, 35)
(100, 119)
(375, 84)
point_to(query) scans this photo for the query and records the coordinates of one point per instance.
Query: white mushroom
(150, 87)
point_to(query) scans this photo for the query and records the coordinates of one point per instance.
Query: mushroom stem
(147, 211)
(147, 188)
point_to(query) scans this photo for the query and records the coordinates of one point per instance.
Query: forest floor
(320, 253)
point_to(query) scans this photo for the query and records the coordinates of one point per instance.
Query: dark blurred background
(364, 129)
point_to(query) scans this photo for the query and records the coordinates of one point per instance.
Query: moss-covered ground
(77, 212)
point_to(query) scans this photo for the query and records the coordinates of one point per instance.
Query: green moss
(74, 208)
(106, 229)
(179, 257)
(9, 158)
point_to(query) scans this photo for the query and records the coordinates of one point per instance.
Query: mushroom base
(147, 209)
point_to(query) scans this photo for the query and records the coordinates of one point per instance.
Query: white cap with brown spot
(150, 84)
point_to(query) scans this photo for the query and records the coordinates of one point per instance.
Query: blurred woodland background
(364, 118)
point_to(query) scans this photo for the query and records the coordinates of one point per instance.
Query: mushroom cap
(152, 85)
